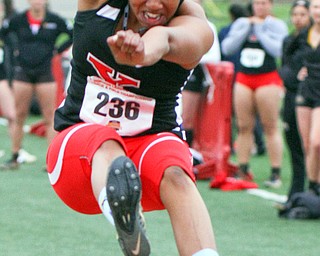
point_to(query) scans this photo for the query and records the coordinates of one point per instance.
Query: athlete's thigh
(69, 164)
(46, 95)
(6, 100)
(190, 105)
(268, 99)
(315, 126)
(244, 105)
(153, 154)
(22, 92)
(304, 115)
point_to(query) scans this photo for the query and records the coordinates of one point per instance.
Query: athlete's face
(151, 13)
(300, 17)
(261, 8)
(38, 4)
(315, 11)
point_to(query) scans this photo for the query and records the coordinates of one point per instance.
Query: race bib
(252, 58)
(127, 112)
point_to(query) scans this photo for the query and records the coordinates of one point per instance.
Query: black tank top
(159, 84)
(254, 59)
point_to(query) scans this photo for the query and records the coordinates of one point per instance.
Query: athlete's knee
(245, 128)
(271, 129)
(177, 179)
(314, 144)
(11, 117)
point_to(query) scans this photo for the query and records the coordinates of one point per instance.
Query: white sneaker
(25, 157)
(273, 182)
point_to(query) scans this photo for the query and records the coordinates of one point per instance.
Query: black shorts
(3, 73)
(308, 94)
(196, 80)
(33, 76)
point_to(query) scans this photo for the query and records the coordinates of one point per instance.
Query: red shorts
(254, 81)
(70, 155)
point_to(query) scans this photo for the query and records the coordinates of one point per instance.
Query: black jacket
(35, 50)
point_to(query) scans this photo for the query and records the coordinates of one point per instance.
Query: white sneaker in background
(25, 157)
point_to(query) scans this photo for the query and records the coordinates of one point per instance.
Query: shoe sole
(124, 194)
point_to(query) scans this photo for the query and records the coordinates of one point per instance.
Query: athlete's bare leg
(245, 117)
(190, 105)
(7, 105)
(188, 214)
(46, 95)
(309, 128)
(22, 94)
(268, 99)
(101, 161)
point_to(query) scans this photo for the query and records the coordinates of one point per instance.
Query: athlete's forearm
(271, 34)
(236, 37)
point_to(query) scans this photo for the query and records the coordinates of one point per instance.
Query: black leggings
(293, 140)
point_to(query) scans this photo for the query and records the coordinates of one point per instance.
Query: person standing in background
(258, 87)
(308, 98)
(193, 90)
(291, 64)
(238, 11)
(37, 30)
(7, 106)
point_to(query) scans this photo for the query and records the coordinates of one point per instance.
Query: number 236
(129, 109)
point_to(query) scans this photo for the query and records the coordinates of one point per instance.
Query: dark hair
(8, 8)
(237, 11)
(303, 3)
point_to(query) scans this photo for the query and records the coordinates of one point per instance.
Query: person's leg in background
(22, 92)
(46, 95)
(245, 118)
(311, 141)
(268, 100)
(293, 140)
(191, 98)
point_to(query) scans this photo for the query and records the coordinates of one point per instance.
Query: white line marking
(268, 195)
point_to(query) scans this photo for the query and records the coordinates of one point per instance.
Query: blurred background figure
(235, 11)
(258, 87)
(194, 89)
(37, 30)
(291, 64)
(7, 107)
(308, 98)
(238, 11)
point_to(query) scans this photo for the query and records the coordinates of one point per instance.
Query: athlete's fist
(127, 47)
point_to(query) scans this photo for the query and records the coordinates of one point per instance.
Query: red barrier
(212, 133)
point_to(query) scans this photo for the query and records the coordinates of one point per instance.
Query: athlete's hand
(127, 48)
(302, 74)
(256, 20)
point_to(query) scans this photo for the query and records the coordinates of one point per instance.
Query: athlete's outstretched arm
(84, 5)
(183, 41)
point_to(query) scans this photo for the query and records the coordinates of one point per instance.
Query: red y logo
(112, 77)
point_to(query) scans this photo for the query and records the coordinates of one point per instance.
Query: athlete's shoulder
(18, 17)
(54, 16)
(86, 5)
(275, 21)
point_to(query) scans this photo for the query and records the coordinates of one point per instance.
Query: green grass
(33, 220)
(217, 11)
